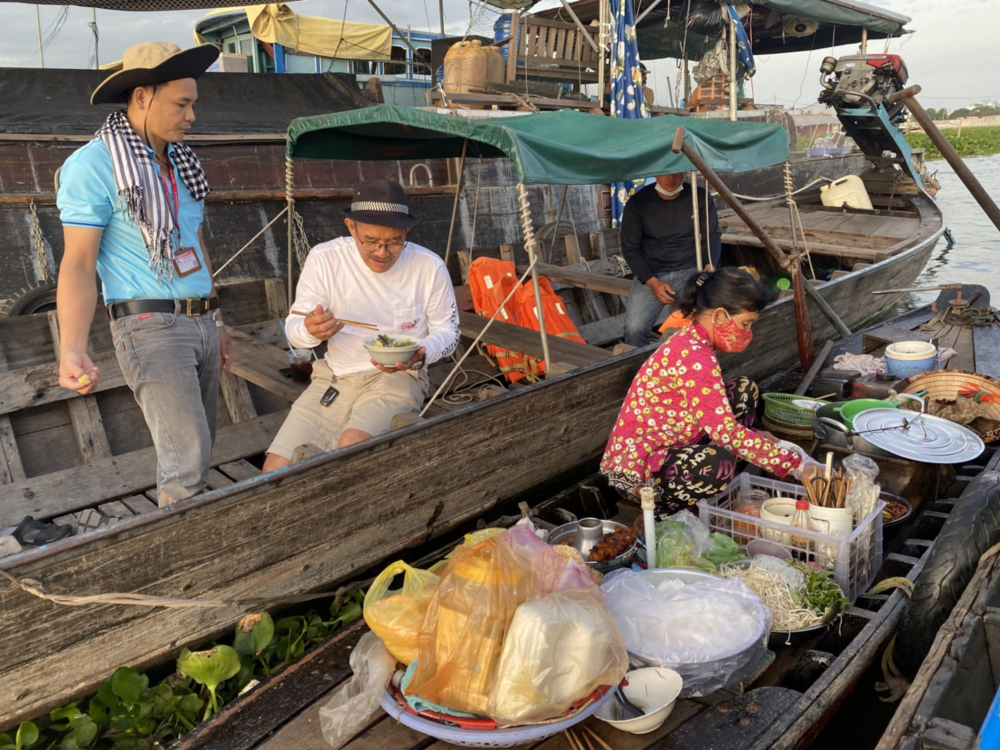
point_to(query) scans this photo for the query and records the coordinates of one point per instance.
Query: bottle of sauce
(801, 520)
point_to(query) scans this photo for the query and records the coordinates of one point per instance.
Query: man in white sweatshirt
(375, 276)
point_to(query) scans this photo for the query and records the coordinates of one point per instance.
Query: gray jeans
(171, 363)
(643, 309)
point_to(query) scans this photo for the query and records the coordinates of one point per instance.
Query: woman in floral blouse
(682, 430)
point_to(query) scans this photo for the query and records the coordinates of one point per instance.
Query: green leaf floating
(209, 668)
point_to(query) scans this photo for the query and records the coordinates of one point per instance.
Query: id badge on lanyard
(186, 261)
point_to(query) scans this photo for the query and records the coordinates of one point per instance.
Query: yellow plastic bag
(466, 622)
(558, 650)
(481, 535)
(396, 615)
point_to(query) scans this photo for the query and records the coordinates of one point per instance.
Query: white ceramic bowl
(655, 691)
(390, 355)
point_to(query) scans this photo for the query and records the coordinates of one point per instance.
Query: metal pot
(835, 433)
(584, 534)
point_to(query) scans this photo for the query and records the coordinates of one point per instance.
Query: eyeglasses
(392, 247)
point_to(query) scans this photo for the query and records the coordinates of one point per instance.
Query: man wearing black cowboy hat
(374, 276)
(131, 203)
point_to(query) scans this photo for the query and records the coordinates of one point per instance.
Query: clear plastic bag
(395, 615)
(354, 705)
(712, 632)
(683, 541)
(863, 494)
(467, 620)
(559, 649)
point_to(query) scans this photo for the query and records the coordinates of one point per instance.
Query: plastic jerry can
(849, 190)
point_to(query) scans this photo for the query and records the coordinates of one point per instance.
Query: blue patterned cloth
(626, 90)
(743, 50)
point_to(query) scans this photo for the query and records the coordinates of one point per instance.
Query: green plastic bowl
(845, 411)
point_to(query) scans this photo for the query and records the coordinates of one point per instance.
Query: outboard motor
(857, 87)
(854, 80)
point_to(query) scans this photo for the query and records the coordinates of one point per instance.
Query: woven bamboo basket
(943, 385)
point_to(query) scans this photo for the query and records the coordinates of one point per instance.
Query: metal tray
(560, 534)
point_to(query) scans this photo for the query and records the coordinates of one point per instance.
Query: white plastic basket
(509, 737)
(854, 560)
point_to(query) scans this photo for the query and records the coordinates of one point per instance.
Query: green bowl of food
(390, 351)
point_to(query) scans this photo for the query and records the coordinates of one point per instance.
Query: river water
(973, 259)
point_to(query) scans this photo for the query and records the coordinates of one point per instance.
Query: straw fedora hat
(150, 63)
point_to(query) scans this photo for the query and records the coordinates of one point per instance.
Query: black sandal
(32, 533)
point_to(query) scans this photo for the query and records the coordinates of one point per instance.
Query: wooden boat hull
(266, 536)
(851, 296)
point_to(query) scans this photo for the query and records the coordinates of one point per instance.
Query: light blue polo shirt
(88, 198)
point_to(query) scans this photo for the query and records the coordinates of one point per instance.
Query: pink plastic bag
(554, 573)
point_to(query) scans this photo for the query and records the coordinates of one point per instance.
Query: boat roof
(228, 103)
(563, 147)
(838, 22)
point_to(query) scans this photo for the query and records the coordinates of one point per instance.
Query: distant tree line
(978, 110)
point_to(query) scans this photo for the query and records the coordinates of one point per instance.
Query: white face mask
(669, 193)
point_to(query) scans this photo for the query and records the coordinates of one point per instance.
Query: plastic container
(300, 361)
(853, 560)
(849, 191)
(653, 689)
(465, 69)
(509, 737)
(908, 358)
(778, 511)
(502, 29)
(791, 408)
(496, 66)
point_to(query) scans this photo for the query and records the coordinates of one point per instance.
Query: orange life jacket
(557, 320)
(490, 281)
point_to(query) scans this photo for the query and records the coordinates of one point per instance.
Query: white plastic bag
(864, 491)
(354, 705)
(711, 632)
(558, 650)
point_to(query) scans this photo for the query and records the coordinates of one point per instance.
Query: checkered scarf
(139, 191)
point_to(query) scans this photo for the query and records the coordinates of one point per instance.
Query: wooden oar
(355, 323)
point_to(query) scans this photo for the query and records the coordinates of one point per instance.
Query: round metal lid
(918, 437)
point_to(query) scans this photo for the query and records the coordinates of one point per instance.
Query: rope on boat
(35, 588)
(782, 195)
(796, 217)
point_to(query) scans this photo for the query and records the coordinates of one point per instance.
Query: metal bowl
(895, 524)
(790, 637)
(583, 543)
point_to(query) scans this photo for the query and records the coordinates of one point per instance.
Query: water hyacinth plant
(127, 713)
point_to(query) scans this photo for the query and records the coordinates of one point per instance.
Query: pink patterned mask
(729, 337)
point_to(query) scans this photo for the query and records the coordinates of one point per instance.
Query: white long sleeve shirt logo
(413, 299)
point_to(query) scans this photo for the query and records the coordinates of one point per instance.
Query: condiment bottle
(801, 520)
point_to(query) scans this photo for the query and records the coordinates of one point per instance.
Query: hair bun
(702, 278)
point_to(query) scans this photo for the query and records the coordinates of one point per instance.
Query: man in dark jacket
(657, 233)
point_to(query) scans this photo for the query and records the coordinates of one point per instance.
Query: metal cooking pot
(840, 436)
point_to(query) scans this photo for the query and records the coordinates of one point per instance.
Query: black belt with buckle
(190, 307)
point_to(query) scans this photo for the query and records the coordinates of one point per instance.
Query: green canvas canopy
(563, 147)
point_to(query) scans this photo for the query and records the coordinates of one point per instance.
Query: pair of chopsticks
(577, 742)
(355, 323)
